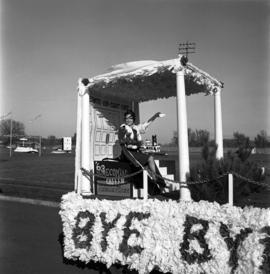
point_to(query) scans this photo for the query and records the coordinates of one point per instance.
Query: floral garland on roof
(185, 237)
(197, 82)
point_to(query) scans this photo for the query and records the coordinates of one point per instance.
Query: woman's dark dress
(139, 160)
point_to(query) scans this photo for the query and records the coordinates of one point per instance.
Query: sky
(46, 46)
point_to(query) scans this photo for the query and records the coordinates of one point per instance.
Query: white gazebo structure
(102, 101)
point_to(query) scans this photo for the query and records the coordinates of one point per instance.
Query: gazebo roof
(149, 80)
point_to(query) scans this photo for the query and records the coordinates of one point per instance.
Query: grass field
(28, 175)
(50, 176)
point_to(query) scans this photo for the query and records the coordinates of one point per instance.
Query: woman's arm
(155, 116)
(151, 120)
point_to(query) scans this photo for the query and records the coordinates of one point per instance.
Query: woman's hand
(157, 115)
(160, 115)
(154, 117)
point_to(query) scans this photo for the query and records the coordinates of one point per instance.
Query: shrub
(211, 169)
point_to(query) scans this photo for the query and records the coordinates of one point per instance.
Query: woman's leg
(152, 166)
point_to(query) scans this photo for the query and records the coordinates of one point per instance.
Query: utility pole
(185, 49)
(10, 137)
(39, 146)
(31, 121)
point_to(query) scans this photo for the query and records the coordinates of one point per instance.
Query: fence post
(230, 188)
(145, 185)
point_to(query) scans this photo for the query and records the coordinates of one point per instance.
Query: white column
(92, 127)
(218, 125)
(183, 150)
(85, 145)
(78, 173)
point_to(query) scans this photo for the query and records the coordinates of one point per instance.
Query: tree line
(18, 131)
(196, 138)
(200, 137)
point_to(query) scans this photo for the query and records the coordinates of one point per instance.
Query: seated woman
(130, 140)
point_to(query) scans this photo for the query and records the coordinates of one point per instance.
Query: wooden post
(145, 185)
(230, 189)
(218, 125)
(183, 150)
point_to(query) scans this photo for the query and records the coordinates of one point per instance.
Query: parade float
(142, 232)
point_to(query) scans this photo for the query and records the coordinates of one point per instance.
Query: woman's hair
(130, 112)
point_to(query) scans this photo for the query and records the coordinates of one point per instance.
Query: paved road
(29, 241)
(29, 235)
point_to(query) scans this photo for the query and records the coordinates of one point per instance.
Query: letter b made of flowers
(187, 255)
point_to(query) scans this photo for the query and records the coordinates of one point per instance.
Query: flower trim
(158, 80)
(184, 237)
